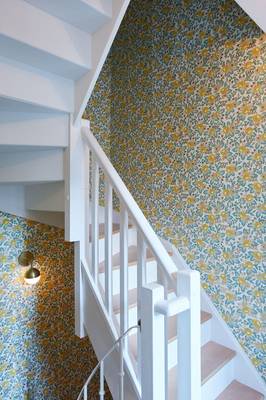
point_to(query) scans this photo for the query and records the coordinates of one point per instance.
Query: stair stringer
(101, 43)
(244, 370)
(102, 334)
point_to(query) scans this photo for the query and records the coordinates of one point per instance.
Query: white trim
(245, 372)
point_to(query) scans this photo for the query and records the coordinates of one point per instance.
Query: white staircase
(50, 57)
(121, 270)
(51, 53)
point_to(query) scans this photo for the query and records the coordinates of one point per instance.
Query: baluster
(141, 280)
(101, 392)
(124, 272)
(164, 282)
(121, 382)
(85, 392)
(95, 219)
(108, 245)
(152, 336)
(87, 203)
(188, 333)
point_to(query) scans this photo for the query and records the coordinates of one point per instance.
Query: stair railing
(153, 307)
(83, 395)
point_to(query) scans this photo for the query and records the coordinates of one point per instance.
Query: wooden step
(132, 258)
(213, 358)
(171, 331)
(116, 229)
(238, 391)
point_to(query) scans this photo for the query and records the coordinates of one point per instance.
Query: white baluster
(124, 272)
(188, 333)
(152, 337)
(121, 373)
(87, 204)
(95, 219)
(141, 280)
(163, 280)
(101, 392)
(108, 245)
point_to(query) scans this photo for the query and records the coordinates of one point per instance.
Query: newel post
(152, 344)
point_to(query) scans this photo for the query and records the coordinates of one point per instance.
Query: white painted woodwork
(124, 272)
(95, 218)
(142, 279)
(12, 201)
(188, 333)
(152, 240)
(132, 277)
(30, 85)
(76, 185)
(32, 36)
(108, 246)
(87, 15)
(256, 9)
(79, 291)
(152, 338)
(45, 197)
(101, 44)
(20, 130)
(218, 382)
(32, 166)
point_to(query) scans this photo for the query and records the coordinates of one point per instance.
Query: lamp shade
(32, 275)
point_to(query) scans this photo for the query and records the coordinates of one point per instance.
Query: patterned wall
(40, 357)
(188, 123)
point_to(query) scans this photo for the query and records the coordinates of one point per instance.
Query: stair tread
(132, 258)
(132, 299)
(213, 357)
(116, 228)
(237, 390)
(171, 331)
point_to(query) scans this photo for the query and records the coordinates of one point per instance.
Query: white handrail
(151, 238)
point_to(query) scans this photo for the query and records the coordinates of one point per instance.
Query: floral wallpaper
(40, 357)
(187, 135)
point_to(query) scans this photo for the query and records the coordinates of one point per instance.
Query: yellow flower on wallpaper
(242, 84)
(257, 119)
(230, 105)
(231, 168)
(246, 309)
(246, 175)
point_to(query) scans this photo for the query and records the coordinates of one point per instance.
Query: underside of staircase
(51, 54)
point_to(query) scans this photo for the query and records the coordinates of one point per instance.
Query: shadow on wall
(40, 357)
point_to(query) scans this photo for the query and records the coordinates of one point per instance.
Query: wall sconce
(32, 275)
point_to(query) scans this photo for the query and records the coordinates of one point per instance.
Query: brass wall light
(32, 275)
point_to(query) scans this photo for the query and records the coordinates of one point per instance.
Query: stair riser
(34, 88)
(132, 276)
(86, 15)
(33, 129)
(45, 197)
(172, 346)
(32, 166)
(132, 238)
(132, 313)
(215, 385)
(48, 43)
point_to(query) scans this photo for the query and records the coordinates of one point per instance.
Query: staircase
(51, 54)
(133, 277)
(53, 170)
